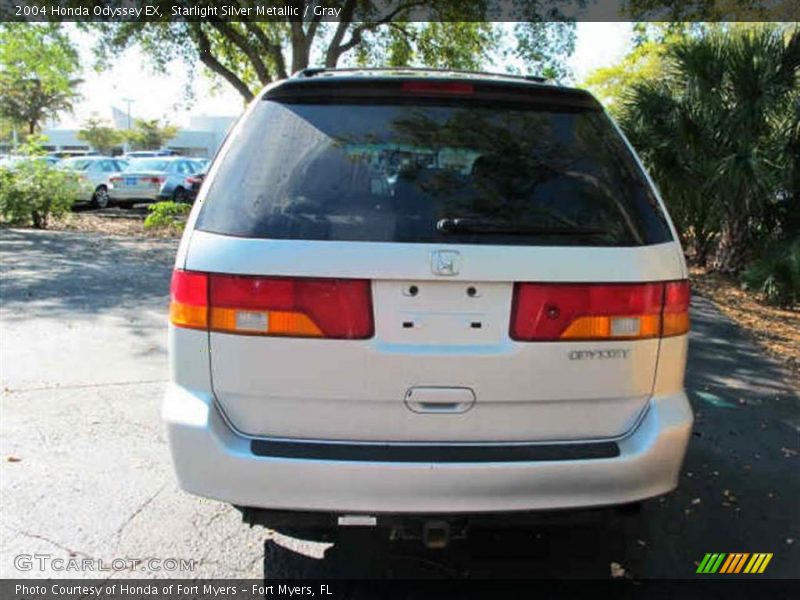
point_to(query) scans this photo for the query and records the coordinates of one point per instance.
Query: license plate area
(442, 312)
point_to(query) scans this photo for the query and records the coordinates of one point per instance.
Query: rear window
(77, 164)
(423, 173)
(144, 164)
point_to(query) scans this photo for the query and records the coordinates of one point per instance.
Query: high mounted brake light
(576, 312)
(275, 306)
(435, 87)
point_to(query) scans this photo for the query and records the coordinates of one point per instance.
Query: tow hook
(436, 534)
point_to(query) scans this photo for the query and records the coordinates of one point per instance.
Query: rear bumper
(213, 461)
(116, 194)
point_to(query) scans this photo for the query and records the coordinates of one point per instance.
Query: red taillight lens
(294, 307)
(550, 312)
(435, 87)
(188, 305)
(676, 308)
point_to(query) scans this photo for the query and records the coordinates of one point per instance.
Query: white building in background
(201, 138)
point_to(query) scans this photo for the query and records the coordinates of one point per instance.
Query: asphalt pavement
(85, 471)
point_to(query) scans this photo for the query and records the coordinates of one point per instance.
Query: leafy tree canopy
(718, 129)
(249, 54)
(150, 134)
(38, 69)
(99, 135)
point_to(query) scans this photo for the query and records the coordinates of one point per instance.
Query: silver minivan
(421, 296)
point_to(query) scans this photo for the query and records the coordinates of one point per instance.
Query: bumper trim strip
(416, 453)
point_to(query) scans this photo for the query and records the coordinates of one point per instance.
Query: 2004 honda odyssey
(426, 293)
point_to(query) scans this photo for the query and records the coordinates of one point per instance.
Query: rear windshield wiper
(469, 225)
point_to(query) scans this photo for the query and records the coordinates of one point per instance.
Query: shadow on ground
(78, 275)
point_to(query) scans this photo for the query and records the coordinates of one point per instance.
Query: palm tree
(714, 132)
(30, 101)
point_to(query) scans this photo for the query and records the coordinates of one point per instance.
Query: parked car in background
(59, 154)
(148, 154)
(93, 173)
(193, 183)
(152, 180)
(13, 161)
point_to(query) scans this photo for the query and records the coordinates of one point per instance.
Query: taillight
(156, 180)
(676, 308)
(278, 306)
(551, 312)
(437, 87)
(188, 305)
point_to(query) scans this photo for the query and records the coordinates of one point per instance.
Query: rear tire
(100, 198)
(180, 195)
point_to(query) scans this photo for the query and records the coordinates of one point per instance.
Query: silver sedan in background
(93, 173)
(153, 180)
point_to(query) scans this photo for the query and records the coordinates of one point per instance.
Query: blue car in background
(153, 180)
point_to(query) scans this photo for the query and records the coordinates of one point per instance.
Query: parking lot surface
(85, 472)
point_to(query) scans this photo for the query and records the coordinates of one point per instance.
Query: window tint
(428, 173)
(146, 164)
(77, 164)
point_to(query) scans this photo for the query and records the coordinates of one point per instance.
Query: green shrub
(775, 275)
(32, 192)
(167, 215)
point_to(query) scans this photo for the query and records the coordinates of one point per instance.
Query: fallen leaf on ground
(617, 571)
(776, 329)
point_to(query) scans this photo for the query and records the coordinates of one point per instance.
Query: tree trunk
(39, 220)
(31, 127)
(733, 247)
(299, 47)
(701, 253)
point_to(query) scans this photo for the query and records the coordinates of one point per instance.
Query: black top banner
(401, 10)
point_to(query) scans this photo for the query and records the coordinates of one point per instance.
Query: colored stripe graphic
(717, 564)
(729, 563)
(733, 563)
(711, 562)
(757, 558)
(702, 567)
(765, 563)
(740, 563)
